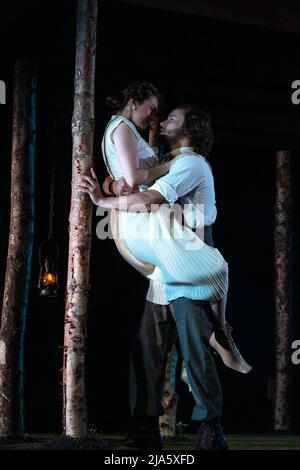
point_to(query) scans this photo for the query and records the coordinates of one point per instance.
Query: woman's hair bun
(138, 91)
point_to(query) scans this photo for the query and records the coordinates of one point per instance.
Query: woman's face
(142, 112)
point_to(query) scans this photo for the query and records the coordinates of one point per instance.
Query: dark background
(242, 76)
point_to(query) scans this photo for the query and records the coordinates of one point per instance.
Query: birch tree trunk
(282, 305)
(19, 256)
(167, 422)
(74, 412)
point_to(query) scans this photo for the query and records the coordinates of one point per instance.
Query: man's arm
(139, 202)
(157, 172)
(184, 176)
(186, 173)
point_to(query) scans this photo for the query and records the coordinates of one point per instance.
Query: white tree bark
(19, 256)
(75, 413)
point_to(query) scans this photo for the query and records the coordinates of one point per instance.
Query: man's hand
(90, 185)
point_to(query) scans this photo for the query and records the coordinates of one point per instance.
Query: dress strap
(104, 151)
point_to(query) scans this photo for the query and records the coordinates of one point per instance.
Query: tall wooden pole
(75, 413)
(282, 288)
(167, 422)
(19, 256)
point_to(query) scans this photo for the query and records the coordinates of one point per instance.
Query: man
(188, 129)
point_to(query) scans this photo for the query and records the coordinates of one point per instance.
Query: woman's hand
(121, 188)
(107, 186)
(90, 185)
(118, 187)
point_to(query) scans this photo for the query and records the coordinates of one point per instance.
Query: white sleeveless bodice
(146, 154)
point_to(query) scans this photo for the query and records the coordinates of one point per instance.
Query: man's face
(173, 127)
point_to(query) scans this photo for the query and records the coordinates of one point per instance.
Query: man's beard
(173, 136)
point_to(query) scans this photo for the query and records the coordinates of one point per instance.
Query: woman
(127, 155)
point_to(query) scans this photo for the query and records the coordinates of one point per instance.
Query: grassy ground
(185, 442)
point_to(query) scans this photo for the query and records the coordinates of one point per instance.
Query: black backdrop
(242, 75)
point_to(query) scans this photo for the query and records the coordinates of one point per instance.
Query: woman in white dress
(197, 273)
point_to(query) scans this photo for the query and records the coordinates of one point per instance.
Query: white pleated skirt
(158, 246)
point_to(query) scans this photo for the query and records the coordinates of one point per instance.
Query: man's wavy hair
(197, 125)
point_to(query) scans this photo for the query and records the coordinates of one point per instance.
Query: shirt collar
(181, 150)
(178, 151)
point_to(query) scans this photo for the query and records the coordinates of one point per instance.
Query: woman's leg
(219, 310)
(221, 339)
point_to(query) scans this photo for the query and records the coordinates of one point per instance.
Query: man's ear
(134, 105)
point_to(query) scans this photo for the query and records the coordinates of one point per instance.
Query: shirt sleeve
(184, 176)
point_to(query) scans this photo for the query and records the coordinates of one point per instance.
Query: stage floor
(186, 442)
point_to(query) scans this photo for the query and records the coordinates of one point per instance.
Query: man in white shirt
(189, 181)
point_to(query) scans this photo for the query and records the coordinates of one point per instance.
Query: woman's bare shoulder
(122, 131)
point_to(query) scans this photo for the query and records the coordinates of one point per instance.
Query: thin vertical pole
(282, 410)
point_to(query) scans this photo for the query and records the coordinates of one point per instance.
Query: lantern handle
(52, 201)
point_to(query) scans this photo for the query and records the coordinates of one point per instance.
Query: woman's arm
(127, 152)
(118, 187)
(126, 147)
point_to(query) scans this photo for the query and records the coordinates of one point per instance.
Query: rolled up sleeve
(183, 177)
(166, 190)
